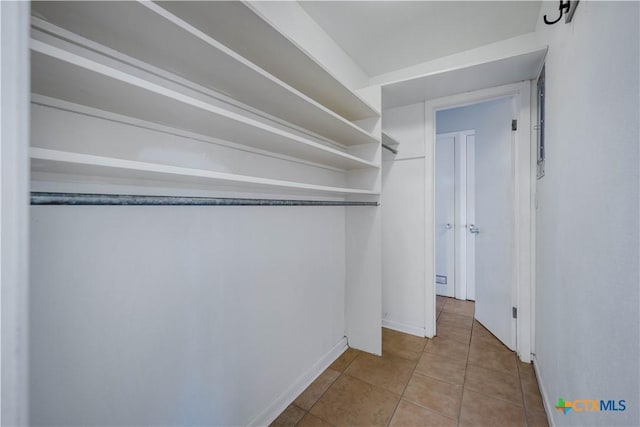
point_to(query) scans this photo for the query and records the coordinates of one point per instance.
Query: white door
(445, 214)
(491, 232)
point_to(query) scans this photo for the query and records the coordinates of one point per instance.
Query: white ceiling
(383, 36)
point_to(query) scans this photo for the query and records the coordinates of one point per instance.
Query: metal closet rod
(83, 199)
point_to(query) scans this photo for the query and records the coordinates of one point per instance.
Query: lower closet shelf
(69, 163)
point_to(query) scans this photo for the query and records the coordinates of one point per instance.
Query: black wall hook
(565, 7)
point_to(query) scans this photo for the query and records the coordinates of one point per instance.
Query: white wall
(587, 218)
(403, 222)
(179, 315)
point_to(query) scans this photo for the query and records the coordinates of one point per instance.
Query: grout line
(473, 325)
(524, 405)
(407, 384)
(330, 385)
(437, 379)
(426, 408)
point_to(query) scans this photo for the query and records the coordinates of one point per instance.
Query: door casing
(524, 191)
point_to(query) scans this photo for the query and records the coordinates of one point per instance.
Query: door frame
(524, 182)
(14, 211)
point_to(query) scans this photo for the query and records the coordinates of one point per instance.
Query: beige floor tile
(442, 368)
(496, 360)
(447, 348)
(494, 383)
(410, 415)
(479, 328)
(289, 417)
(402, 345)
(481, 410)
(446, 325)
(531, 394)
(526, 371)
(310, 420)
(389, 371)
(435, 395)
(464, 371)
(350, 401)
(489, 344)
(345, 359)
(455, 333)
(464, 308)
(455, 320)
(537, 419)
(310, 396)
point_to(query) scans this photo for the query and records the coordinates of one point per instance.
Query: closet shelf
(152, 34)
(240, 26)
(75, 164)
(62, 74)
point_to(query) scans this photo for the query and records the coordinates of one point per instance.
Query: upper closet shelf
(67, 163)
(65, 75)
(237, 25)
(150, 33)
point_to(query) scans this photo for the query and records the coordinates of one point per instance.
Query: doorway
(474, 210)
(503, 309)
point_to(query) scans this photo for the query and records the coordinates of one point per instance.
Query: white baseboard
(548, 404)
(403, 327)
(267, 416)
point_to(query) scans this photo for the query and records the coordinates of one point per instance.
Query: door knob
(473, 229)
(448, 226)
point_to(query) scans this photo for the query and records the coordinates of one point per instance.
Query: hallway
(464, 377)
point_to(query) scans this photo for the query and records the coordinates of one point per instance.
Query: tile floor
(462, 377)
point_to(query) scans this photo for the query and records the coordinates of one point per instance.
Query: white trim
(469, 241)
(14, 211)
(548, 404)
(523, 207)
(429, 229)
(269, 414)
(533, 94)
(403, 327)
(525, 212)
